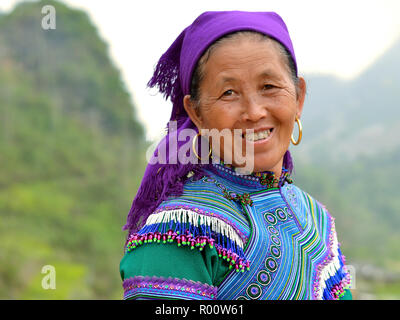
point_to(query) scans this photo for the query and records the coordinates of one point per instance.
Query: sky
(340, 38)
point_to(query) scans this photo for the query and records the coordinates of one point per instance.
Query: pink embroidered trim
(234, 259)
(164, 288)
(337, 290)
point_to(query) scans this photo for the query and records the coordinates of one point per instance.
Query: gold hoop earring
(194, 147)
(300, 133)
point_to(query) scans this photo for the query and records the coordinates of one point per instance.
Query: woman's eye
(228, 93)
(268, 86)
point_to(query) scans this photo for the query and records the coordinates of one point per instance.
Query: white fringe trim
(196, 219)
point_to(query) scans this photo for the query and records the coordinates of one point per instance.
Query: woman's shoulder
(308, 210)
(198, 218)
(334, 277)
(207, 199)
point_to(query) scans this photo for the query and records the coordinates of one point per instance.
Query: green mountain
(359, 117)
(349, 159)
(71, 157)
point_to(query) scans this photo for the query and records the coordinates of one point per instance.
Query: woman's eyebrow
(268, 74)
(225, 79)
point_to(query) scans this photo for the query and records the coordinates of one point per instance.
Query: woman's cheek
(222, 119)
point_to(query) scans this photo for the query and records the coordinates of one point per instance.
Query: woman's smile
(258, 137)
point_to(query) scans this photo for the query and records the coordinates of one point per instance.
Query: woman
(233, 226)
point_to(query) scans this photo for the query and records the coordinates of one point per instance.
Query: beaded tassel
(188, 228)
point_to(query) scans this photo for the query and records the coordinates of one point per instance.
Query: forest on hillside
(70, 159)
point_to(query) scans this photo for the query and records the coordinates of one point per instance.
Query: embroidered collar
(263, 180)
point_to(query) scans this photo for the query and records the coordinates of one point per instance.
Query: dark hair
(198, 72)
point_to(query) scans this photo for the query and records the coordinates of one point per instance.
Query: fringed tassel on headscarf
(166, 77)
(288, 162)
(163, 180)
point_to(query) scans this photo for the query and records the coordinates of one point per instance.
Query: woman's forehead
(230, 77)
(262, 59)
(245, 45)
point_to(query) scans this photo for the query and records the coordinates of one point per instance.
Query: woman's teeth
(255, 136)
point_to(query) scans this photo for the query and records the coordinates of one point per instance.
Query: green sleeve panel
(169, 260)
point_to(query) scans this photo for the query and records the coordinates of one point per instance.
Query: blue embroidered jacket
(274, 243)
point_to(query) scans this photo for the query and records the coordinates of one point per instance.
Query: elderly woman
(206, 229)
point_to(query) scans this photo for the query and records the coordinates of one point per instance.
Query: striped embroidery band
(140, 287)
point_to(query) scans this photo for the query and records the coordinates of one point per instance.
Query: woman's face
(247, 85)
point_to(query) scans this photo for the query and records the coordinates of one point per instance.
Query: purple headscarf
(173, 76)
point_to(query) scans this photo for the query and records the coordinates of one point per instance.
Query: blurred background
(76, 120)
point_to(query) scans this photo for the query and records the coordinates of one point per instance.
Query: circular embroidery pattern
(276, 240)
(275, 252)
(254, 291)
(242, 298)
(221, 186)
(264, 278)
(273, 230)
(281, 214)
(271, 264)
(288, 212)
(270, 218)
(208, 179)
(232, 194)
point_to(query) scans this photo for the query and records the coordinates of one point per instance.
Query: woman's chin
(259, 164)
(266, 163)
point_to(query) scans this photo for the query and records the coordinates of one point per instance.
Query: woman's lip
(263, 129)
(258, 142)
(256, 130)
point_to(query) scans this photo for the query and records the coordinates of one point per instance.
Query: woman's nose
(254, 109)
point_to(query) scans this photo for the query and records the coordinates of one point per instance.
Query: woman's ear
(302, 88)
(192, 111)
